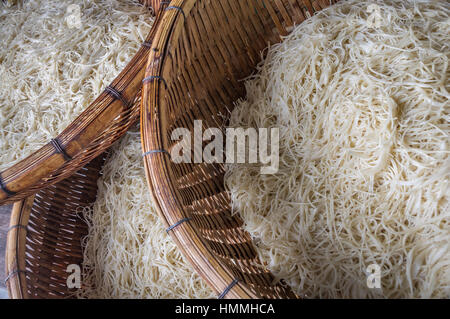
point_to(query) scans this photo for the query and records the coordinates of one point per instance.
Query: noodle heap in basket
(51, 70)
(360, 94)
(56, 57)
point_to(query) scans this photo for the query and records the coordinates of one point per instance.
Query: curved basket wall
(201, 52)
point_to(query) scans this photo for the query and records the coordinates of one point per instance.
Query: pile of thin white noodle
(364, 121)
(128, 253)
(50, 70)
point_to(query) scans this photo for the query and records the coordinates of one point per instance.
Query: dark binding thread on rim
(178, 223)
(154, 77)
(13, 273)
(176, 8)
(227, 290)
(59, 149)
(5, 189)
(117, 95)
(17, 226)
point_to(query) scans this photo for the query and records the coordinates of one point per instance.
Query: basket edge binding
(15, 249)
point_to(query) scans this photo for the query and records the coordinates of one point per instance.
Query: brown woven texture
(46, 228)
(200, 54)
(89, 135)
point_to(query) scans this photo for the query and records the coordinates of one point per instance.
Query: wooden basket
(199, 55)
(89, 135)
(53, 186)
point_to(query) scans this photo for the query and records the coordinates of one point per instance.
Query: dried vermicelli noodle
(362, 107)
(128, 253)
(55, 58)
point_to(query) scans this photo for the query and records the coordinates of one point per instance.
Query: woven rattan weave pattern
(200, 54)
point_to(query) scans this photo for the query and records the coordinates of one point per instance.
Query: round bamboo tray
(89, 135)
(199, 55)
(46, 226)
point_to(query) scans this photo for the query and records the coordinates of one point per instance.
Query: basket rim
(114, 110)
(15, 281)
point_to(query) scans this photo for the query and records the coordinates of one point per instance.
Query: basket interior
(46, 235)
(206, 52)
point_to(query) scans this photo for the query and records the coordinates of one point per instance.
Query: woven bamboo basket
(51, 187)
(200, 54)
(89, 135)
